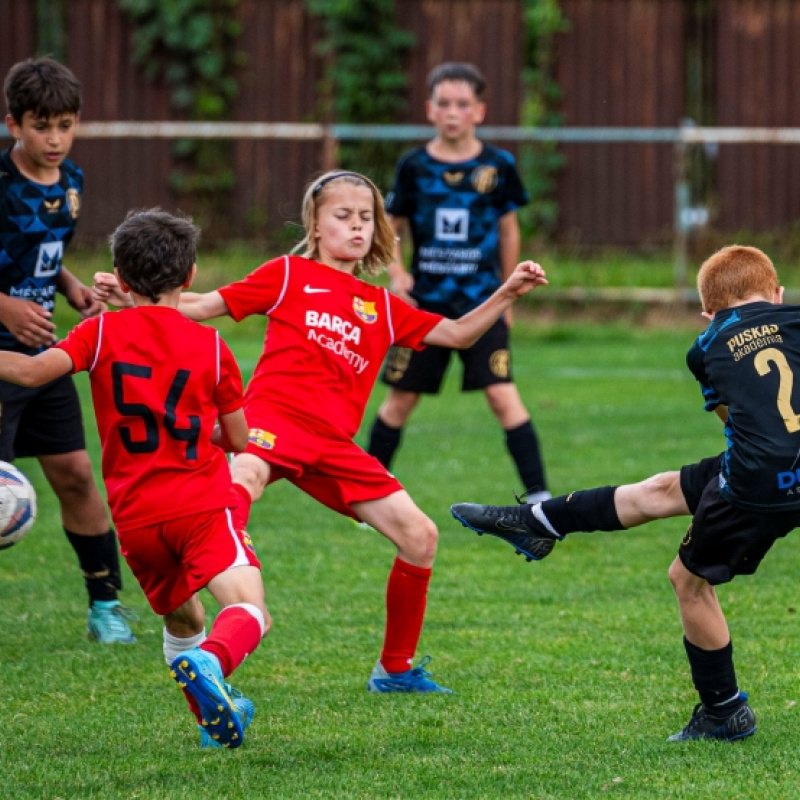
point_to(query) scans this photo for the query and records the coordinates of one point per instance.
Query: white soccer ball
(17, 505)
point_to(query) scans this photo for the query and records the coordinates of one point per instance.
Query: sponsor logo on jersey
(333, 323)
(48, 262)
(452, 224)
(365, 310)
(74, 203)
(484, 179)
(262, 439)
(52, 206)
(452, 178)
(308, 289)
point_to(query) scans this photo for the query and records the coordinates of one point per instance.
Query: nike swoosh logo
(311, 290)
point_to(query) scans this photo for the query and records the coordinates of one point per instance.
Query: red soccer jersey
(327, 337)
(159, 382)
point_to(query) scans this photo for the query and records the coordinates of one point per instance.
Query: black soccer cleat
(705, 725)
(513, 524)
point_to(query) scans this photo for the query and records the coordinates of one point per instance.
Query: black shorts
(487, 362)
(723, 540)
(46, 421)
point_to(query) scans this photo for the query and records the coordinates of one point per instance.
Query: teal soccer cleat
(199, 673)
(108, 620)
(244, 708)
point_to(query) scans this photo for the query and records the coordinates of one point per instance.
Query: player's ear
(13, 127)
(778, 298)
(192, 275)
(480, 113)
(429, 108)
(122, 285)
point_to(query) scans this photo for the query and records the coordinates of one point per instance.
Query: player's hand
(106, 289)
(527, 275)
(82, 299)
(401, 285)
(28, 322)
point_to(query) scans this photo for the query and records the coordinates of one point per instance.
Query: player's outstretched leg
(416, 681)
(513, 524)
(730, 727)
(244, 708)
(198, 672)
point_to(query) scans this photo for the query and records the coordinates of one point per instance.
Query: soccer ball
(17, 505)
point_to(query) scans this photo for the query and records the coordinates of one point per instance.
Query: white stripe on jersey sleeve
(99, 341)
(388, 314)
(285, 285)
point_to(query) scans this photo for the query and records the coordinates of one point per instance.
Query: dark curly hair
(154, 251)
(43, 87)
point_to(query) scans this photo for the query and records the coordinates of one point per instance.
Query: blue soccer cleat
(108, 620)
(244, 708)
(198, 672)
(416, 681)
(704, 724)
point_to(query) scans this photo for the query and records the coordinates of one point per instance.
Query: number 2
(785, 384)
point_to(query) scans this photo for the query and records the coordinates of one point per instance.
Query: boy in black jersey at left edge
(741, 501)
(40, 200)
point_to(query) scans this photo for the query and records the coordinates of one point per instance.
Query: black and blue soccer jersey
(748, 359)
(37, 223)
(453, 211)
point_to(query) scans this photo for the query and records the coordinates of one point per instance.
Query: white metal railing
(682, 137)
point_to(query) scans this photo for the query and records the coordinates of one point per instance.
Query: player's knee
(661, 495)
(420, 540)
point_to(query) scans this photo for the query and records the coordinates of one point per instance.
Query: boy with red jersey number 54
(159, 384)
(328, 334)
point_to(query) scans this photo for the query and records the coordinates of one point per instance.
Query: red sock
(406, 597)
(243, 505)
(233, 636)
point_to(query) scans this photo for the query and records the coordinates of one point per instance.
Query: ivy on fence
(190, 45)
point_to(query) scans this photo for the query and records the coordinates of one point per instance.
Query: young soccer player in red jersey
(160, 383)
(328, 334)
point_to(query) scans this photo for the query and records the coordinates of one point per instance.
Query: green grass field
(569, 673)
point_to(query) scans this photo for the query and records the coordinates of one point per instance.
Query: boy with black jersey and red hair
(168, 400)
(741, 501)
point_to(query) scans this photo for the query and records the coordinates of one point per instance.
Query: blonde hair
(733, 274)
(381, 251)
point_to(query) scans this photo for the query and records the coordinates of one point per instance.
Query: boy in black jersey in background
(741, 502)
(40, 199)
(458, 197)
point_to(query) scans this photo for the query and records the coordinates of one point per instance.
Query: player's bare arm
(401, 281)
(201, 306)
(31, 371)
(27, 321)
(464, 331)
(231, 433)
(509, 242)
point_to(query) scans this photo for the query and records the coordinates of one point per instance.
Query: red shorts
(173, 560)
(334, 470)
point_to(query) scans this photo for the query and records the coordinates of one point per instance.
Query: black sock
(714, 676)
(523, 444)
(383, 441)
(586, 510)
(99, 560)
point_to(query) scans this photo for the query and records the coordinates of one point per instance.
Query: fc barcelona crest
(365, 310)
